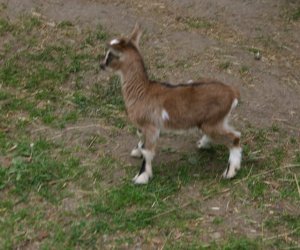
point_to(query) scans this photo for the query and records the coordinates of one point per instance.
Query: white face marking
(114, 41)
(106, 56)
(165, 115)
(190, 81)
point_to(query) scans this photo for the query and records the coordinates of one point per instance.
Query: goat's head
(122, 50)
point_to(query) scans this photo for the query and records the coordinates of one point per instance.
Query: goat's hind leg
(235, 153)
(148, 152)
(137, 151)
(224, 134)
(234, 163)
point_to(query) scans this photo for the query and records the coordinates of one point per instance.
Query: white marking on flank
(190, 81)
(204, 142)
(234, 104)
(165, 115)
(114, 41)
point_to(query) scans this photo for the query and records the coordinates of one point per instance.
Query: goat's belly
(180, 124)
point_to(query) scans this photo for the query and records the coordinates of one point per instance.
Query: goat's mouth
(102, 66)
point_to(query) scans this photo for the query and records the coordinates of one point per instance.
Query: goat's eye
(110, 57)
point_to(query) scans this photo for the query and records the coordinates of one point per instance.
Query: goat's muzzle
(102, 66)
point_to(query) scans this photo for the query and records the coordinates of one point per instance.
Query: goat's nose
(102, 66)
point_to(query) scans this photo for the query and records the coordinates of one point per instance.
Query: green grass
(224, 65)
(244, 69)
(253, 50)
(31, 169)
(65, 182)
(198, 23)
(65, 24)
(295, 16)
(5, 26)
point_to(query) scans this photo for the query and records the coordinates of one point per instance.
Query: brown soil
(270, 89)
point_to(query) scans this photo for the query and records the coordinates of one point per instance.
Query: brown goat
(153, 106)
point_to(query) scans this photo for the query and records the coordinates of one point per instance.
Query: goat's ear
(136, 35)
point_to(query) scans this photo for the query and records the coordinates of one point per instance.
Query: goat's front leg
(137, 151)
(151, 134)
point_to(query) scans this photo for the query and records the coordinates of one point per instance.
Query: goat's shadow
(196, 164)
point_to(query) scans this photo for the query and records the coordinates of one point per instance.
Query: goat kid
(152, 106)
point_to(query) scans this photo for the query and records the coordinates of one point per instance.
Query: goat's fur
(153, 106)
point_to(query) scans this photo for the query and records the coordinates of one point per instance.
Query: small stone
(216, 235)
(257, 55)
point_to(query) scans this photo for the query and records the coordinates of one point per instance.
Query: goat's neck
(134, 82)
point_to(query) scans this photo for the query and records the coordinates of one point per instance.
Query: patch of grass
(292, 222)
(4, 95)
(224, 65)
(111, 93)
(287, 221)
(42, 75)
(109, 101)
(257, 188)
(31, 22)
(65, 24)
(3, 6)
(81, 100)
(5, 26)
(32, 169)
(253, 50)
(130, 208)
(93, 36)
(198, 23)
(295, 16)
(95, 141)
(10, 73)
(244, 69)
(218, 220)
(101, 34)
(241, 243)
(182, 63)
(268, 42)
(279, 155)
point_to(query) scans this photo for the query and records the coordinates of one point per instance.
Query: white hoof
(136, 152)
(229, 173)
(142, 178)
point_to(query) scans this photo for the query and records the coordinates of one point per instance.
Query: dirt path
(227, 32)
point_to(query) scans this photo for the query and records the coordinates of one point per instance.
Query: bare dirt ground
(269, 87)
(191, 39)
